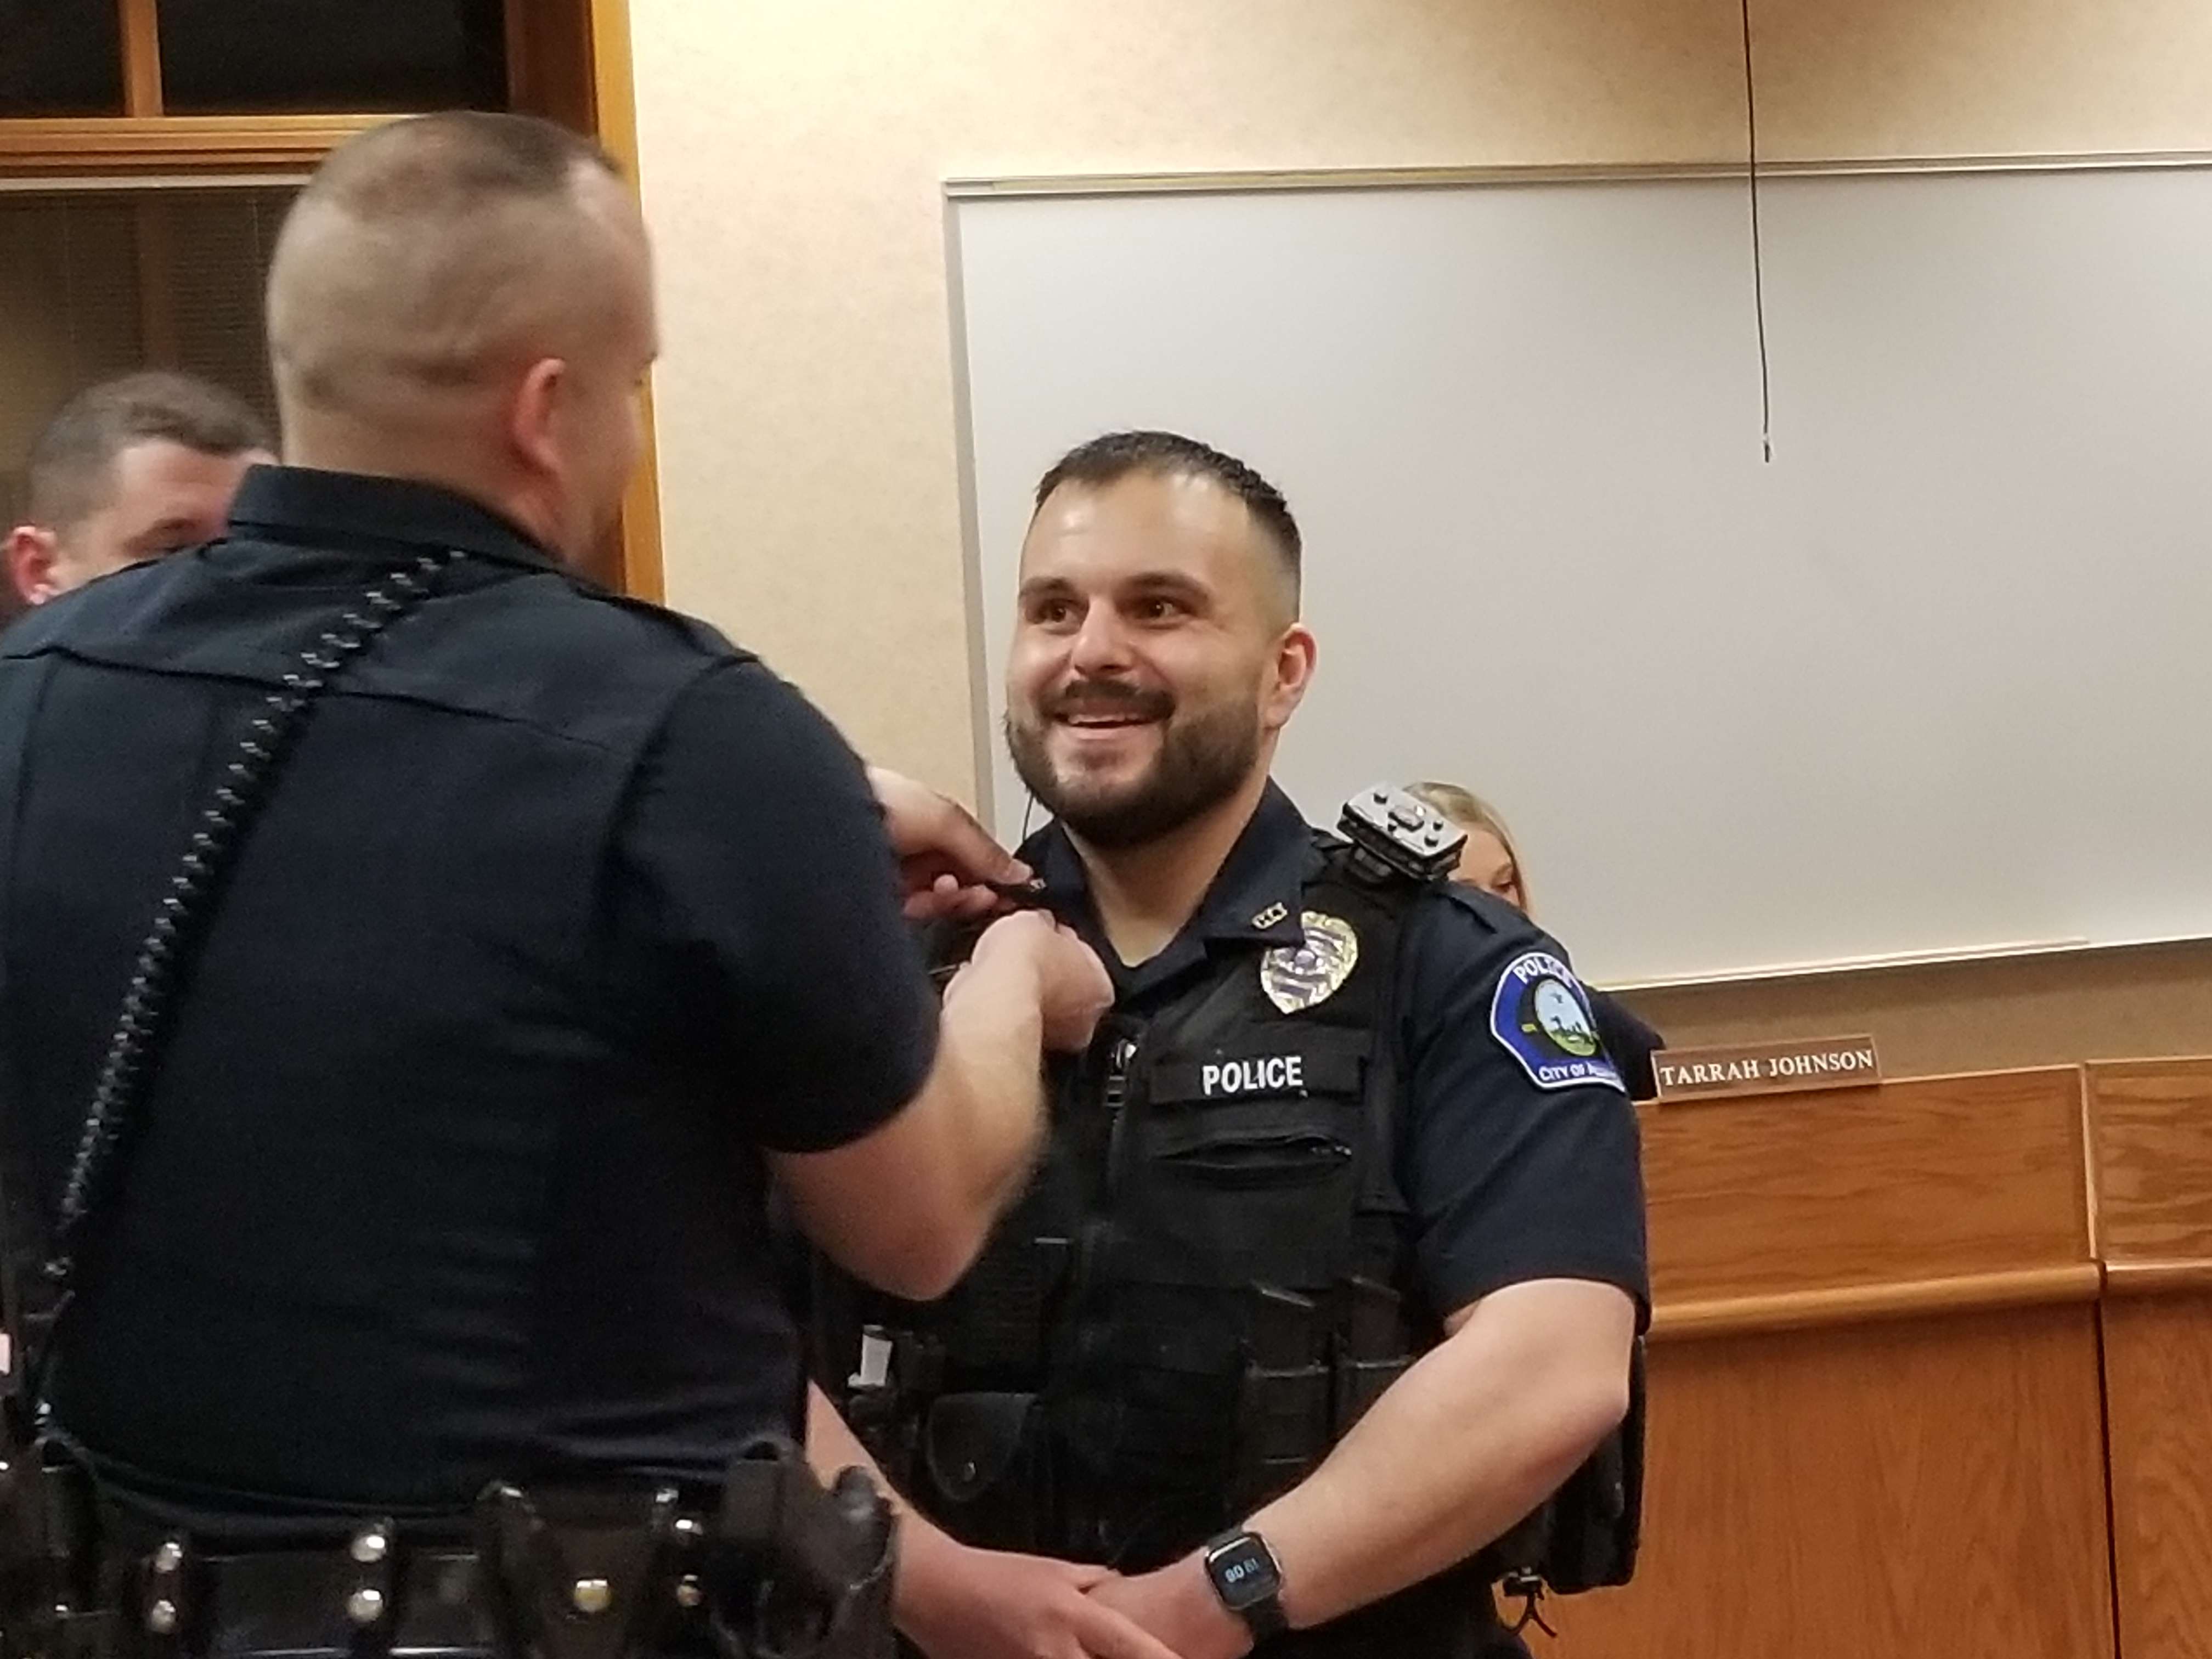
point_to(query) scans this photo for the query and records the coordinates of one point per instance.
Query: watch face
(1244, 1571)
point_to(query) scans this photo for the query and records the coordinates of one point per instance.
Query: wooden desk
(2151, 1124)
(1875, 1418)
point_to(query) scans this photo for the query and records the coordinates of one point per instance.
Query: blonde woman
(1491, 862)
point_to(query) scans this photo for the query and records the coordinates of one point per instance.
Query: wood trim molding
(141, 33)
(614, 121)
(2152, 1278)
(174, 144)
(1798, 1311)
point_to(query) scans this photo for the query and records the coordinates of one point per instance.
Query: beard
(1204, 759)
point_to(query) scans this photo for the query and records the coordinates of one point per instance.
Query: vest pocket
(983, 1456)
(1236, 1194)
(1259, 1160)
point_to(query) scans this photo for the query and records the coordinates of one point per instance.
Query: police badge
(1301, 977)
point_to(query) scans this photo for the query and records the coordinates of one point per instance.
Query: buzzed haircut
(1116, 455)
(450, 163)
(433, 261)
(71, 464)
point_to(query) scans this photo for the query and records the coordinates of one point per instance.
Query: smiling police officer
(1334, 1268)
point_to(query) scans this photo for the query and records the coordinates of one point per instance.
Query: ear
(534, 416)
(31, 554)
(1290, 671)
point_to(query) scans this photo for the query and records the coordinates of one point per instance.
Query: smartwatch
(1245, 1576)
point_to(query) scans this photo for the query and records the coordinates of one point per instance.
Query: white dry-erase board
(1937, 679)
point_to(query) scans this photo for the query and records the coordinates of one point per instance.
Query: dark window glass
(98, 282)
(60, 57)
(230, 56)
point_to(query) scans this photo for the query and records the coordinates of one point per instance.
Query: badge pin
(1299, 976)
(1271, 916)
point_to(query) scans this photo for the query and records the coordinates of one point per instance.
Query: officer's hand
(987, 1604)
(945, 855)
(1073, 991)
(1178, 1604)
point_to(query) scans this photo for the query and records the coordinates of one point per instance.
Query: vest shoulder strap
(1383, 908)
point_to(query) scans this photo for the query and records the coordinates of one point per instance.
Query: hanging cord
(157, 975)
(1757, 258)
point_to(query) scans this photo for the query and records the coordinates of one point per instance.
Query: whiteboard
(1937, 679)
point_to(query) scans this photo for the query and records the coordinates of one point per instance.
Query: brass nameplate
(1766, 1069)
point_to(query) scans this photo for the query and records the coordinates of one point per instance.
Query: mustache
(1109, 697)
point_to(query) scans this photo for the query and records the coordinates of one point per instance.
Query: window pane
(221, 56)
(98, 282)
(60, 57)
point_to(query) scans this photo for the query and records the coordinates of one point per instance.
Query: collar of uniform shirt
(327, 510)
(1254, 899)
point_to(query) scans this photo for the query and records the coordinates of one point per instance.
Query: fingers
(923, 824)
(945, 898)
(1106, 1634)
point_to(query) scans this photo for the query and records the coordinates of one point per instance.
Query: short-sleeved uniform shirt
(1508, 1179)
(561, 911)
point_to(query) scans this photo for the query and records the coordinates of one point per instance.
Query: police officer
(128, 470)
(414, 961)
(1335, 1266)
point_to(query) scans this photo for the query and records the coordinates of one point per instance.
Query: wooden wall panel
(1927, 1489)
(2152, 1130)
(1938, 1178)
(2055, 1009)
(2158, 1360)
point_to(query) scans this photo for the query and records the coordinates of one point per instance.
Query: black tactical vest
(1207, 1283)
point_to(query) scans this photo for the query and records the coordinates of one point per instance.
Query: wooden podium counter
(1876, 1414)
(2153, 1149)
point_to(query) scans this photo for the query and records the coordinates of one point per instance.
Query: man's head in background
(129, 470)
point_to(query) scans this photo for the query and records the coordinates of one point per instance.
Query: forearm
(990, 1045)
(926, 1551)
(1477, 1434)
(832, 1448)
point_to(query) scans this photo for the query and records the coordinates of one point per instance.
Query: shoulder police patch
(1541, 1014)
(1304, 975)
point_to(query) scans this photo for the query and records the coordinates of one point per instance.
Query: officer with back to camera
(413, 962)
(1334, 1266)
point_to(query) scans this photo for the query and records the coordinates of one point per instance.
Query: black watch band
(1247, 1577)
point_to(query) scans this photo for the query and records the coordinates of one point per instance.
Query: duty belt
(778, 1569)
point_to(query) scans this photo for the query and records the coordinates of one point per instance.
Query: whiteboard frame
(983, 187)
(1017, 187)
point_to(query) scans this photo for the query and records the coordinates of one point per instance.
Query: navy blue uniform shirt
(1507, 1181)
(561, 911)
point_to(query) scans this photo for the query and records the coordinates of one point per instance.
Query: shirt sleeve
(754, 864)
(1630, 1041)
(1507, 1180)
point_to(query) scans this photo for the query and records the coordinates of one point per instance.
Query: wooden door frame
(569, 60)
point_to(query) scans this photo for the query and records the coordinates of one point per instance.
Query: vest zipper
(1114, 1094)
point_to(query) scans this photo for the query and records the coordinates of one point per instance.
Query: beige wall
(792, 153)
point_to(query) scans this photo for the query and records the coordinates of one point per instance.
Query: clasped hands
(959, 1602)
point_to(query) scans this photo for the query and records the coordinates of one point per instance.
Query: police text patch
(1541, 1014)
(1249, 1076)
